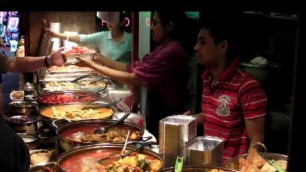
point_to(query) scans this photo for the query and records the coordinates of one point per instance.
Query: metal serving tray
(68, 78)
(64, 76)
(70, 72)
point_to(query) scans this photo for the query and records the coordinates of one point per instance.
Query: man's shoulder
(243, 78)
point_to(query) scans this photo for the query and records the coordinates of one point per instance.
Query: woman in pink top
(163, 72)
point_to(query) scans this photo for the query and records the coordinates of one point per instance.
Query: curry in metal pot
(75, 112)
(116, 134)
(104, 160)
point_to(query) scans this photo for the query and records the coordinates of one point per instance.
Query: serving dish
(103, 157)
(17, 95)
(31, 140)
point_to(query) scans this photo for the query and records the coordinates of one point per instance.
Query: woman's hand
(50, 33)
(84, 62)
(187, 113)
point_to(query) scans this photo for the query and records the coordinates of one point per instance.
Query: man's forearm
(32, 64)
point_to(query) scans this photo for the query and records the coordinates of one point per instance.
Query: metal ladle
(102, 129)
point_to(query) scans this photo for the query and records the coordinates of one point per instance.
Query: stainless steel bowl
(198, 169)
(46, 167)
(234, 162)
(22, 123)
(32, 141)
(22, 108)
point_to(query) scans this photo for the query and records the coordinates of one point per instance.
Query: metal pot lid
(20, 104)
(22, 119)
(252, 65)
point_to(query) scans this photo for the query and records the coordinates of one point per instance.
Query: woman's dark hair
(224, 26)
(122, 16)
(178, 19)
(180, 30)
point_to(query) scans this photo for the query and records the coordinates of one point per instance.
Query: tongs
(100, 105)
(97, 93)
(102, 129)
(101, 79)
(90, 75)
(82, 77)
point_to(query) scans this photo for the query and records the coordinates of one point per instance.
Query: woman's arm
(72, 38)
(109, 63)
(117, 73)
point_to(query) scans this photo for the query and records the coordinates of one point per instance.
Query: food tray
(68, 78)
(63, 76)
(71, 54)
(68, 69)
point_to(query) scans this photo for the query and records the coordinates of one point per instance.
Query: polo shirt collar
(124, 38)
(226, 75)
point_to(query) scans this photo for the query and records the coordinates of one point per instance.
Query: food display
(81, 133)
(116, 134)
(198, 168)
(78, 50)
(31, 140)
(69, 68)
(16, 95)
(88, 82)
(75, 112)
(261, 162)
(41, 156)
(45, 167)
(73, 52)
(104, 159)
(63, 78)
(69, 97)
(68, 85)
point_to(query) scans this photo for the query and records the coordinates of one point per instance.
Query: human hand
(20, 52)
(47, 28)
(187, 113)
(57, 58)
(50, 33)
(84, 62)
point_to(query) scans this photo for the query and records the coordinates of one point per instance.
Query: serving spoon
(102, 129)
(138, 146)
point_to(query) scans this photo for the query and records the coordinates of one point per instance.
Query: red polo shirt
(227, 104)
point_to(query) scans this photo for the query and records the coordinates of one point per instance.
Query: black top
(14, 154)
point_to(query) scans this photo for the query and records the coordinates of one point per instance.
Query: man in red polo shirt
(233, 102)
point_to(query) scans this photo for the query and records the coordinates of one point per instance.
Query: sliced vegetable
(178, 164)
(277, 166)
(143, 163)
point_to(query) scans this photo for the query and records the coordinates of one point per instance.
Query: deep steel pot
(45, 113)
(67, 97)
(74, 153)
(32, 141)
(197, 169)
(22, 123)
(67, 144)
(22, 108)
(49, 166)
(234, 162)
